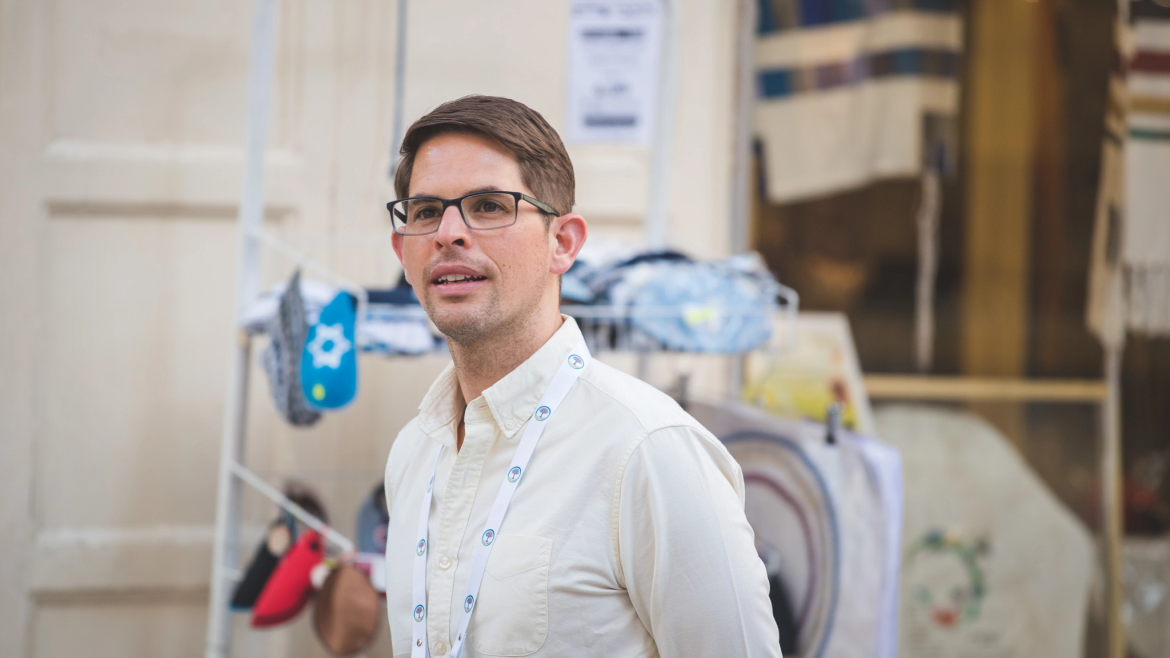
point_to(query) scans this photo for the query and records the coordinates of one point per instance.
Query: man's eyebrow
(484, 188)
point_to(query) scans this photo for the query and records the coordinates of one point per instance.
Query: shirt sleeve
(687, 553)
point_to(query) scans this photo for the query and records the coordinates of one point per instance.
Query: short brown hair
(544, 163)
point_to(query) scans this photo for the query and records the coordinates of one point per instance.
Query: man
(543, 503)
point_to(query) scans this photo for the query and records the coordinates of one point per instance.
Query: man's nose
(452, 229)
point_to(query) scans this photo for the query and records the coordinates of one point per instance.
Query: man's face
(505, 272)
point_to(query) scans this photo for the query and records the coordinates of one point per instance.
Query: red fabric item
(289, 588)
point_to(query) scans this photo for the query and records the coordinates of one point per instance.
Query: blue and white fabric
(667, 300)
(329, 373)
(849, 91)
(394, 323)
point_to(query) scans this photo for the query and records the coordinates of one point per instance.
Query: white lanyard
(558, 388)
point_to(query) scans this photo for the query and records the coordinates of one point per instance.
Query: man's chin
(458, 322)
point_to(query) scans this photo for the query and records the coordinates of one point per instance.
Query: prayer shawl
(851, 91)
(1129, 279)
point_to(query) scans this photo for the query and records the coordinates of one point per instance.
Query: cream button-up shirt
(627, 536)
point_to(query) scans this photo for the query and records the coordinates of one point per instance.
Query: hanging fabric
(1129, 277)
(828, 526)
(1146, 238)
(850, 92)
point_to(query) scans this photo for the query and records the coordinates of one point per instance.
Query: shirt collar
(511, 400)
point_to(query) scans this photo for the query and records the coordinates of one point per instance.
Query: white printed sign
(614, 53)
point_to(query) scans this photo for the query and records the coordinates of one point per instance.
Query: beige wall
(121, 125)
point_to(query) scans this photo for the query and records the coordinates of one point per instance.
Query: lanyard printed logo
(557, 389)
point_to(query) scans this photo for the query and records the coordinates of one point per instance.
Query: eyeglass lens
(486, 210)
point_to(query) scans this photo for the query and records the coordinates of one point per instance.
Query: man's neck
(480, 364)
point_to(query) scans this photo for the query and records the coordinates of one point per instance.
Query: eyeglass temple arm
(544, 207)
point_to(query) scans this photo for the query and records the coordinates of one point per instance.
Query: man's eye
(425, 213)
(490, 206)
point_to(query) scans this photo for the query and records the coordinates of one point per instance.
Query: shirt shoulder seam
(615, 507)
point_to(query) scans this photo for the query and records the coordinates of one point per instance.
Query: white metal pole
(664, 126)
(272, 493)
(399, 88)
(225, 556)
(741, 187)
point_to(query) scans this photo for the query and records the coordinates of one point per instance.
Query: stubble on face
(489, 320)
(513, 259)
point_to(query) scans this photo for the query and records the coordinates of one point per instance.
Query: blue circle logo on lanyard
(422, 546)
(488, 536)
(418, 612)
(514, 474)
(576, 362)
(468, 602)
(542, 413)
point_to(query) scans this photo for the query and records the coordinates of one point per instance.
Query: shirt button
(440, 648)
(444, 562)
(511, 424)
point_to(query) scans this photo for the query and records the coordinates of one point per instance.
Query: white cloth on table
(994, 565)
(832, 513)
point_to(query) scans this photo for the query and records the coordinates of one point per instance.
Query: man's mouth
(456, 278)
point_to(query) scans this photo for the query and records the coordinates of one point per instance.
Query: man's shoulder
(664, 428)
(640, 402)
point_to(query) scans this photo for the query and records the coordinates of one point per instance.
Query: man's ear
(568, 234)
(396, 241)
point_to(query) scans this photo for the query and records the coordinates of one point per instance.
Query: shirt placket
(455, 514)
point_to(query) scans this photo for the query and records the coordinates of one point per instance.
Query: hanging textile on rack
(272, 547)
(850, 92)
(827, 519)
(992, 563)
(1130, 270)
(347, 612)
(394, 323)
(287, 329)
(290, 586)
(311, 361)
(329, 374)
(666, 300)
(372, 519)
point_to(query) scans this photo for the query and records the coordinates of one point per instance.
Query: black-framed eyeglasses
(483, 211)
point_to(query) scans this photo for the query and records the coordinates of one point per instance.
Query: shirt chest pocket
(511, 617)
